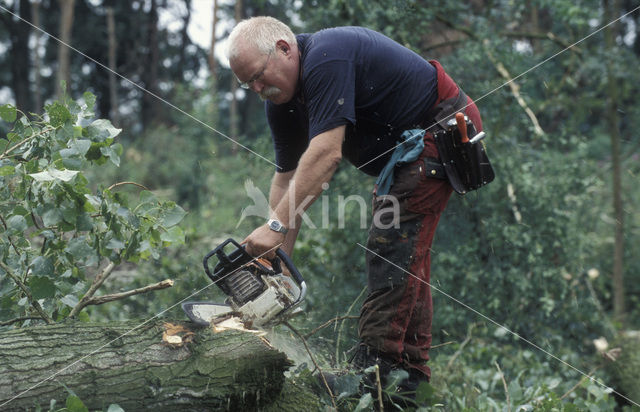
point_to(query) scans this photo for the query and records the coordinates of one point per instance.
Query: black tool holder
(238, 274)
(466, 163)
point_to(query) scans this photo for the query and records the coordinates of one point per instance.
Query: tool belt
(464, 164)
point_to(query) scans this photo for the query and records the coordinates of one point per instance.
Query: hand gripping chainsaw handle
(228, 263)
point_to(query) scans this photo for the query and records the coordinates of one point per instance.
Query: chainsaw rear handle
(239, 257)
(297, 277)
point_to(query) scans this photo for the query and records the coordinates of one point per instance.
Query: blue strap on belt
(409, 148)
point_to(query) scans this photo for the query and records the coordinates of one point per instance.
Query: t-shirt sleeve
(329, 88)
(288, 132)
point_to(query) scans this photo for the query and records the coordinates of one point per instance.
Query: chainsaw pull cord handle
(462, 127)
(297, 277)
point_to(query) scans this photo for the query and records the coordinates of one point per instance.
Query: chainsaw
(257, 290)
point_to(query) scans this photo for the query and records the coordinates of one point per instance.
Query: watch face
(276, 226)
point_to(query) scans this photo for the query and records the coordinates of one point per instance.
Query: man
(351, 92)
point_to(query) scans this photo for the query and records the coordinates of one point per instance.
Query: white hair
(261, 32)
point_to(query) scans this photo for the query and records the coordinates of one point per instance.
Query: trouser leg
(396, 316)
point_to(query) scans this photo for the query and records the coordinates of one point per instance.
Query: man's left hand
(263, 242)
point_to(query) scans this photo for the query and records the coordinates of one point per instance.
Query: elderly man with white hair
(350, 92)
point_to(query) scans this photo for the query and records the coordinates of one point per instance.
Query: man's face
(272, 76)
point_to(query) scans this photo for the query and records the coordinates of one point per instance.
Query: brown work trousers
(396, 316)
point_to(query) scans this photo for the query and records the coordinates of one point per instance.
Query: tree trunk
(37, 63)
(137, 369)
(64, 63)
(19, 52)
(150, 103)
(613, 121)
(233, 108)
(213, 64)
(113, 83)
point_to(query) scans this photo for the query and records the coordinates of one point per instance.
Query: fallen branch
(113, 186)
(99, 300)
(504, 384)
(9, 237)
(95, 285)
(462, 345)
(379, 385)
(364, 289)
(442, 344)
(577, 385)
(329, 322)
(25, 140)
(34, 303)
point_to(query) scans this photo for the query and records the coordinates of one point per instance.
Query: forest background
(546, 250)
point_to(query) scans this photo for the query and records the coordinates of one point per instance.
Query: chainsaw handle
(297, 277)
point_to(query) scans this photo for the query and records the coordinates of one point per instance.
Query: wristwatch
(276, 226)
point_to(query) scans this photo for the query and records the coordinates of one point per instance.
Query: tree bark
(213, 64)
(64, 56)
(233, 108)
(19, 52)
(613, 120)
(37, 63)
(150, 105)
(113, 83)
(136, 369)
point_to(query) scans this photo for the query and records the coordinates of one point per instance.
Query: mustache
(269, 92)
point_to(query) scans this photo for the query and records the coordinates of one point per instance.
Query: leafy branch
(56, 226)
(34, 303)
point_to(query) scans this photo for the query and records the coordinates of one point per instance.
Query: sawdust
(234, 323)
(176, 335)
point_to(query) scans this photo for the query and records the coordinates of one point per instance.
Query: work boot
(362, 360)
(406, 389)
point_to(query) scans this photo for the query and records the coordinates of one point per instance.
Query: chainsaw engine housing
(256, 289)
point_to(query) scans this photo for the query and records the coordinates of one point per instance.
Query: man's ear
(283, 46)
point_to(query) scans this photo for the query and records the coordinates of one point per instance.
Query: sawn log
(159, 366)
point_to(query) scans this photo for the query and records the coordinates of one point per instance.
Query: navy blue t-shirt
(356, 77)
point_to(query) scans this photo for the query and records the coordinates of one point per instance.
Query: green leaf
(101, 130)
(7, 170)
(81, 146)
(70, 300)
(74, 404)
(425, 393)
(8, 113)
(115, 244)
(42, 287)
(78, 248)
(173, 235)
(365, 402)
(42, 266)
(114, 407)
(172, 216)
(89, 99)
(54, 174)
(58, 114)
(112, 154)
(17, 224)
(147, 197)
(84, 223)
(51, 215)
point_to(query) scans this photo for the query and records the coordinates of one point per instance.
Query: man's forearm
(317, 165)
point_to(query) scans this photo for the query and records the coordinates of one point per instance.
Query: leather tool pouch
(466, 165)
